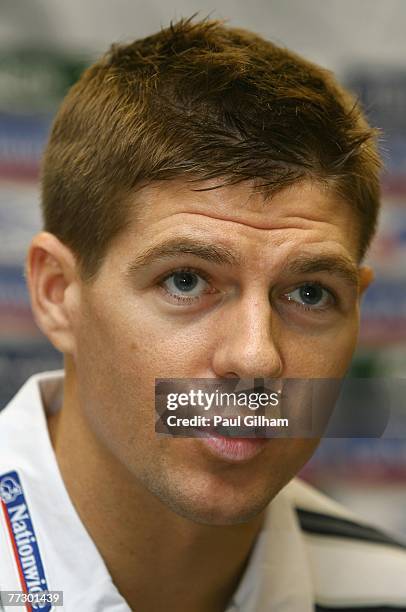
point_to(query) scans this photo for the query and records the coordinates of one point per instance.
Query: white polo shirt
(310, 555)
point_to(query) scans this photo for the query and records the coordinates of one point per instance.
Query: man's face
(214, 284)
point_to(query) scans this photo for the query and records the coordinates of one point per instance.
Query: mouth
(232, 449)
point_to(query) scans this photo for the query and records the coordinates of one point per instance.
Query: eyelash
(178, 298)
(206, 278)
(308, 308)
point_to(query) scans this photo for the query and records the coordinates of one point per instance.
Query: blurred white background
(334, 33)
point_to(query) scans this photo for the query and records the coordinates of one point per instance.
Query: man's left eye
(311, 296)
(185, 283)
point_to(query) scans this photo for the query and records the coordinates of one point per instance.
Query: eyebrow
(335, 264)
(185, 246)
(305, 263)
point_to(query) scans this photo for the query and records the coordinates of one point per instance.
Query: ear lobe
(366, 277)
(52, 282)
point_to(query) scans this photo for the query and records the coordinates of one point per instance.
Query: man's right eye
(185, 285)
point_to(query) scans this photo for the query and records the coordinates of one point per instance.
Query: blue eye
(311, 296)
(185, 283)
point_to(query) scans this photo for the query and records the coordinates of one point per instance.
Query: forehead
(305, 213)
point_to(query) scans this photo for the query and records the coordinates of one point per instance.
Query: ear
(53, 283)
(366, 277)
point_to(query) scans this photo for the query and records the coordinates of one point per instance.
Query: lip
(234, 450)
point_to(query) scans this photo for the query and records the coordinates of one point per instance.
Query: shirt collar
(278, 573)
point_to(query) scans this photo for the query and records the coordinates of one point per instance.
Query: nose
(247, 344)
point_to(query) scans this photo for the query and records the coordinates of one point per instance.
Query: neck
(142, 541)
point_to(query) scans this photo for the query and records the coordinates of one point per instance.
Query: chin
(221, 517)
(223, 506)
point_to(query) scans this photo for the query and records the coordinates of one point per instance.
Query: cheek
(115, 384)
(286, 457)
(164, 347)
(323, 355)
(121, 348)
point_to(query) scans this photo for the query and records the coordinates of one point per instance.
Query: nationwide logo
(23, 539)
(9, 490)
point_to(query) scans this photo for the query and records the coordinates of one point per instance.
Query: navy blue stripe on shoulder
(361, 609)
(330, 525)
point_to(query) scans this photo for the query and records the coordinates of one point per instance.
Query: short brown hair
(200, 100)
